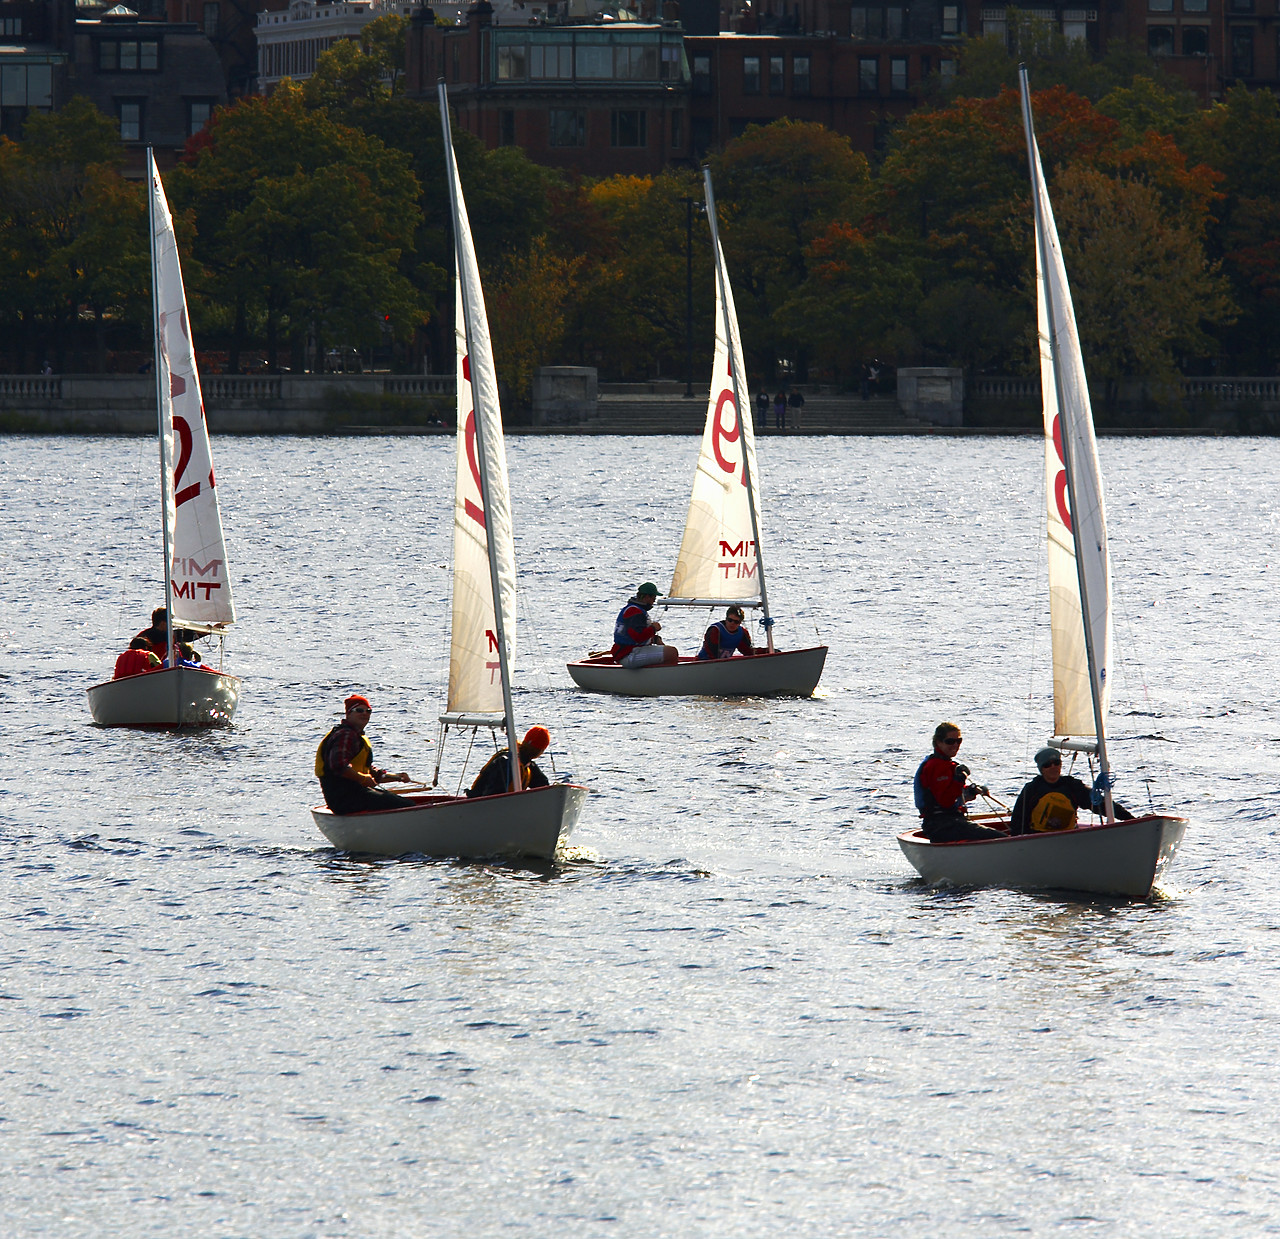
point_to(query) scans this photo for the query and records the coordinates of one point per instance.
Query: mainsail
(199, 584)
(719, 555)
(481, 508)
(1078, 562)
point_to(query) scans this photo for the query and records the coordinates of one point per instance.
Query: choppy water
(736, 1013)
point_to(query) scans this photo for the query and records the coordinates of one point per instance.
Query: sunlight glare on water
(731, 1010)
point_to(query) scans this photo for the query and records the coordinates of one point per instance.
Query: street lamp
(688, 296)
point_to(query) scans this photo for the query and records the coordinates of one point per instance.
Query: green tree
(1143, 289)
(302, 223)
(778, 187)
(1240, 138)
(73, 241)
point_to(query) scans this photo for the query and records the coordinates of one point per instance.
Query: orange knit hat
(536, 740)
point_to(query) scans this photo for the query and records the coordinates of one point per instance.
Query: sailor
(157, 637)
(344, 765)
(727, 636)
(942, 791)
(495, 777)
(1050, 800)
(136, 660)
(635, 640)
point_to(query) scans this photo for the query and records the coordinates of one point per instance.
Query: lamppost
(688, 296)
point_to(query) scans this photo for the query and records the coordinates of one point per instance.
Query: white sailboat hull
(174, 697)
(1124, 858)
(789, 673)
(530, 823)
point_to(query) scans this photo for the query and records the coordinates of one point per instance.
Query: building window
(1241, 6)
(777, 76)
(1159, 6)
(1195, 40)
(568, 127)
(594, 61)
(551, 61)
(898, 75)
(866, 23)
(130, 113)
(995, 27)
(799, 75)
(950, 20)
(11, 27)
(506, 127)
(198, 113)
(211, 17)
(1241, 51)
(947, 71)
(1160, 40)
(702, 75)
(635, 63)
(1195, 6)
(670, 62)
(677, 130)
(869, 75)
(751, 75)
(1074, 30)
(512, 63)
(26, 86)
(629, 127)
(128, 55)
(893, 23)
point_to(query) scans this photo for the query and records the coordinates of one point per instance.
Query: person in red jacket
(942, 792)
(136, 660)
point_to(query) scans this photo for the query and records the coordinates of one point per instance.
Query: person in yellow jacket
(495, 777)
(344, 765)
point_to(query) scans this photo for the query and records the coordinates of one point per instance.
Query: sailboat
(720, 561)
(529, 822)
(1109, 857)
(197, 587)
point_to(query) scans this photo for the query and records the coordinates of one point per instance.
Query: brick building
(600, 97)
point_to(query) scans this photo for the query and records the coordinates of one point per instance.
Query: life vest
(632, 619)
(1053, 811)
(729, 641)
(926, 802)
(133, 662)
(361, 763)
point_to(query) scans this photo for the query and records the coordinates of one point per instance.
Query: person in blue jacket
(635, 638)
(727, 637)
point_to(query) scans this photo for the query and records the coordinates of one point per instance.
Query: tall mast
(1068, 459)
(165, 430)
(468, 312)
(730, 326)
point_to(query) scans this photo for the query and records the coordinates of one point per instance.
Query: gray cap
(1046, 757)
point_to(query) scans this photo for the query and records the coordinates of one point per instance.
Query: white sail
(1076, 555)
(200, 583)
(718, 553)
(475, 670)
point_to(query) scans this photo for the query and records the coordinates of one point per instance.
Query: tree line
(316, 217)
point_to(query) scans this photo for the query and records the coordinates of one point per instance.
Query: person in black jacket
(1050, 800)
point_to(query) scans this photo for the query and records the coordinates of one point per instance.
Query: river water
(733, 1011)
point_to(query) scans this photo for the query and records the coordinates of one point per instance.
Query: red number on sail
(183, 431)
(476, 514)
(1060, 482)
(720, 433)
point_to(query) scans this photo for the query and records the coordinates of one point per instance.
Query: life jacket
(926, 803)
(361, 763)
(631, 619)
(1053, 811)
(729, 641)
(133, 662)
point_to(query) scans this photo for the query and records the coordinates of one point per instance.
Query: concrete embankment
(381, 404)
(424, 404)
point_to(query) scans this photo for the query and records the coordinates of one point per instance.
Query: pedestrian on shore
(780, 411)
